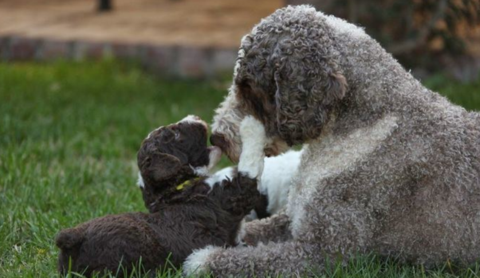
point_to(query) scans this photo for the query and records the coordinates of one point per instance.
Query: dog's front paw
(197, 262)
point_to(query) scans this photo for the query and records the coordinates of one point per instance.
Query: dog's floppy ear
(308, 85)
(160, 166)
(69, 238)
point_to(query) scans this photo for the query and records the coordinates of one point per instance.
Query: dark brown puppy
(188, 211)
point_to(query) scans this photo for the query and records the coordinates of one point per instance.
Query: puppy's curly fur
(388, 166)
(188, 212)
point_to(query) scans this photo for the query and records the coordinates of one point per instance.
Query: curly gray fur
(389, 167)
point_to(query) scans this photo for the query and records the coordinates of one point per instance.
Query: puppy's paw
(197, 263)
(252, 130)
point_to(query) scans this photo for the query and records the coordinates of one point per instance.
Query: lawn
(69, 133)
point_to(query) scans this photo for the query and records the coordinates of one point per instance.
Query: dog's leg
(251, 163)
(290, 258)
(272, 229)
(254, 139)
(239, 195)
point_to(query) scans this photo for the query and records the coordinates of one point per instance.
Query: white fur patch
(201, 171)
(241, 233)
(330, 155)
(226, 122)
(254, 140)
(226, 173)
(277, 178)
(140, 182)
(196, 263)
(275, 182)
(214, 156)
(194, 120)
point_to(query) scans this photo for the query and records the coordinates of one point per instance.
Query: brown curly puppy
(188, 211)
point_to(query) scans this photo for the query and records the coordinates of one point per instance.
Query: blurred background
(82, 82)
(426, 36)
(199, 38)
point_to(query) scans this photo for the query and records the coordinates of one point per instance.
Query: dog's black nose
(219, 141)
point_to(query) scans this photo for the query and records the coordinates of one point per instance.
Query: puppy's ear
(69, 238)
(308, 84)
(160, 166)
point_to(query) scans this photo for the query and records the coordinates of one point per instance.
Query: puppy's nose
(219, 141)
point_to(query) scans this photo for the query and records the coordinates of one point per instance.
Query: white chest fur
(329, 156)
(276, 179)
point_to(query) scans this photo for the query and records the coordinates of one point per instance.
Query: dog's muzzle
(219, 141)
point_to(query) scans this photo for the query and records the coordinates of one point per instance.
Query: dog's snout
(219, 141)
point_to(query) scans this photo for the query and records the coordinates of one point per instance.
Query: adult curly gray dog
(389, 167)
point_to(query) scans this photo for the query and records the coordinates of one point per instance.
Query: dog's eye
(177, 135)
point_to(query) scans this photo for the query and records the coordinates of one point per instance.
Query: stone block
(161, 59)
(95, 50)
(193, 62)
(125, 51)
(4, 47)
(89, 50)
(23, 49)
(223, 60)
(54, 50)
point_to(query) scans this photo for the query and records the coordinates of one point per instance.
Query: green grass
(464, 94)
(69, 133)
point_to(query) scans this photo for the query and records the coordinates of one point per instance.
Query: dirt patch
(206, 23)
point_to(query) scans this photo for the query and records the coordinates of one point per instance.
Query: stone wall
(178, 61)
